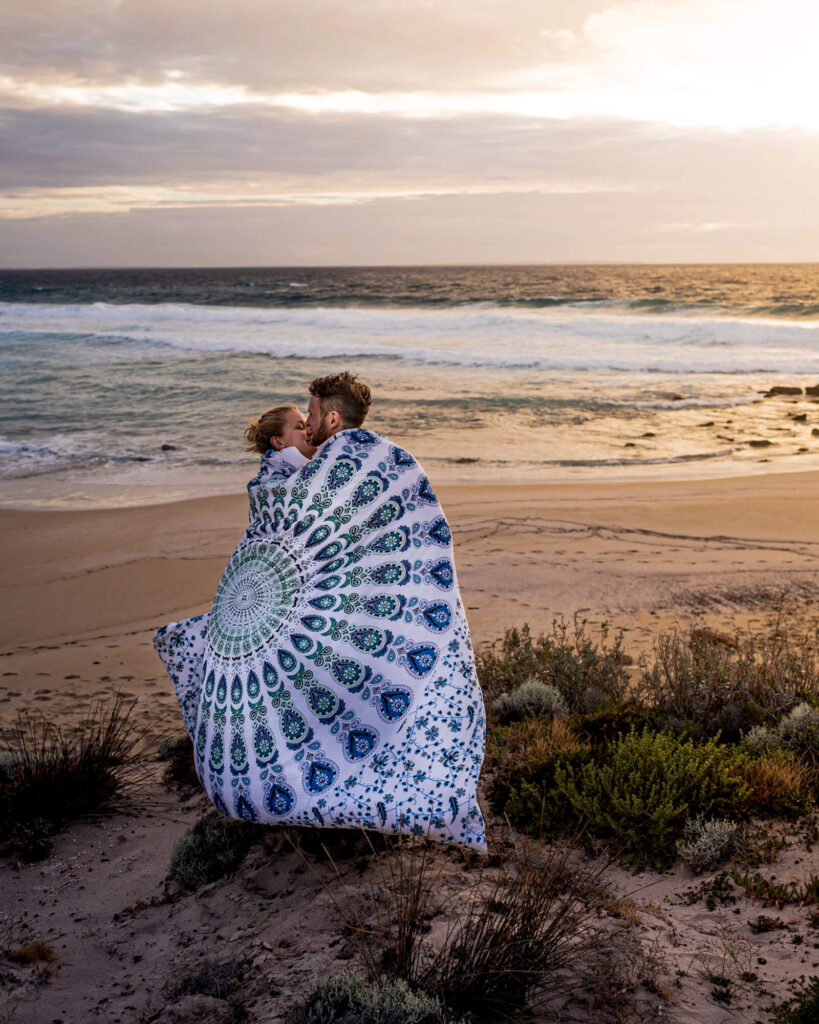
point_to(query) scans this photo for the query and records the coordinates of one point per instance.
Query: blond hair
(261, 428)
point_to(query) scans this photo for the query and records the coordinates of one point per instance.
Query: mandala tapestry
(333, 682)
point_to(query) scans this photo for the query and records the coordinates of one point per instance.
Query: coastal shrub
(802, 1007)
(706, 842)
(523, 928)
(530, 698)
(348, 999)
(614, 719)
(509, 932)
(585, 673)
(219, 979)
(707, 688)
(212, 848)
(798, 731)
(647, 785)
(780, 784)
(524, 787)
(52, 775)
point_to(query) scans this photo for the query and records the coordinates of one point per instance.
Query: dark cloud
(81, 147)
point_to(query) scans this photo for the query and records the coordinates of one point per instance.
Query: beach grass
(51, 776)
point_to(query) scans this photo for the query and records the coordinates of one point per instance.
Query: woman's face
(294, 435)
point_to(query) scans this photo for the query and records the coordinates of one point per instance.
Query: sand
(83, 591)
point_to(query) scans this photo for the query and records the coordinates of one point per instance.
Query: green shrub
(530, 698)
(585, 674)
(527, 755)
(51, 776)
(647, 785)
(529, 795)
(348, 999)
(215, 846)
(614, 719)
(803, 1008)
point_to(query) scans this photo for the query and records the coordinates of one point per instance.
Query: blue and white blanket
(333, 681)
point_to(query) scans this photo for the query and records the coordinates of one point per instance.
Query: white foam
(563, 338)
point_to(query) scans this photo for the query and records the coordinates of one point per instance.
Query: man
(333, 681)
(338, 402)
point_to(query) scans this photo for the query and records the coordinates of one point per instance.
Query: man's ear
(334, 419)
(276, 444)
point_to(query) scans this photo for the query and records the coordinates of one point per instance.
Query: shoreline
(84, 589)
(74, 495)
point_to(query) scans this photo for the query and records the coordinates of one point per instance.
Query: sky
(365, 132)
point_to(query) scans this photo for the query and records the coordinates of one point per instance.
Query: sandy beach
(83, 591)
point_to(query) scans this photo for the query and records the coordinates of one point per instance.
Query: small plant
(530, 698)
(510, 931)
(647, 785)
(32, 953)
(799, 731)
(585, 674)
(707, 688)
(526, 927)
(779, 893)
(349, 999)
(780, 783)
(215, 846)
(52, 776)
(715, 892)
(180, 770)
(706, 842)
(802, 1007)
(219, 979)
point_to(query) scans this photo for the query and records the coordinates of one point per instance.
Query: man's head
(338, 402)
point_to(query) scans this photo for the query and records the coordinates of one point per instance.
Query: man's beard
(319, 435)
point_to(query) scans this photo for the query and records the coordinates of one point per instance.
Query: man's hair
(344, 393)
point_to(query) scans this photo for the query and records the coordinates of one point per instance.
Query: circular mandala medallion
(255, 595)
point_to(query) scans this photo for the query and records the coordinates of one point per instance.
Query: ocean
(134, 386)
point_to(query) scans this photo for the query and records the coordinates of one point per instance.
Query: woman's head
(282, 427)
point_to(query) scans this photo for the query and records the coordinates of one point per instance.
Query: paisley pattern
(333, 681)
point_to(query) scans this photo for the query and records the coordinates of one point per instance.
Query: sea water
(134, 386)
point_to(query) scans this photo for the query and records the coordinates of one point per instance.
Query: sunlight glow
(688, 63)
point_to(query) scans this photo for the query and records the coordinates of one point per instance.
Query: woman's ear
(276, 444)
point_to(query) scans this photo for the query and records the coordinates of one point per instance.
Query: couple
(333, 682)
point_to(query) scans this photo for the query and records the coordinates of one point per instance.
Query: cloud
(313, 44)
(150, 118)
(445, 229)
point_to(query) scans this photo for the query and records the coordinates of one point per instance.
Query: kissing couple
(333, 683)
